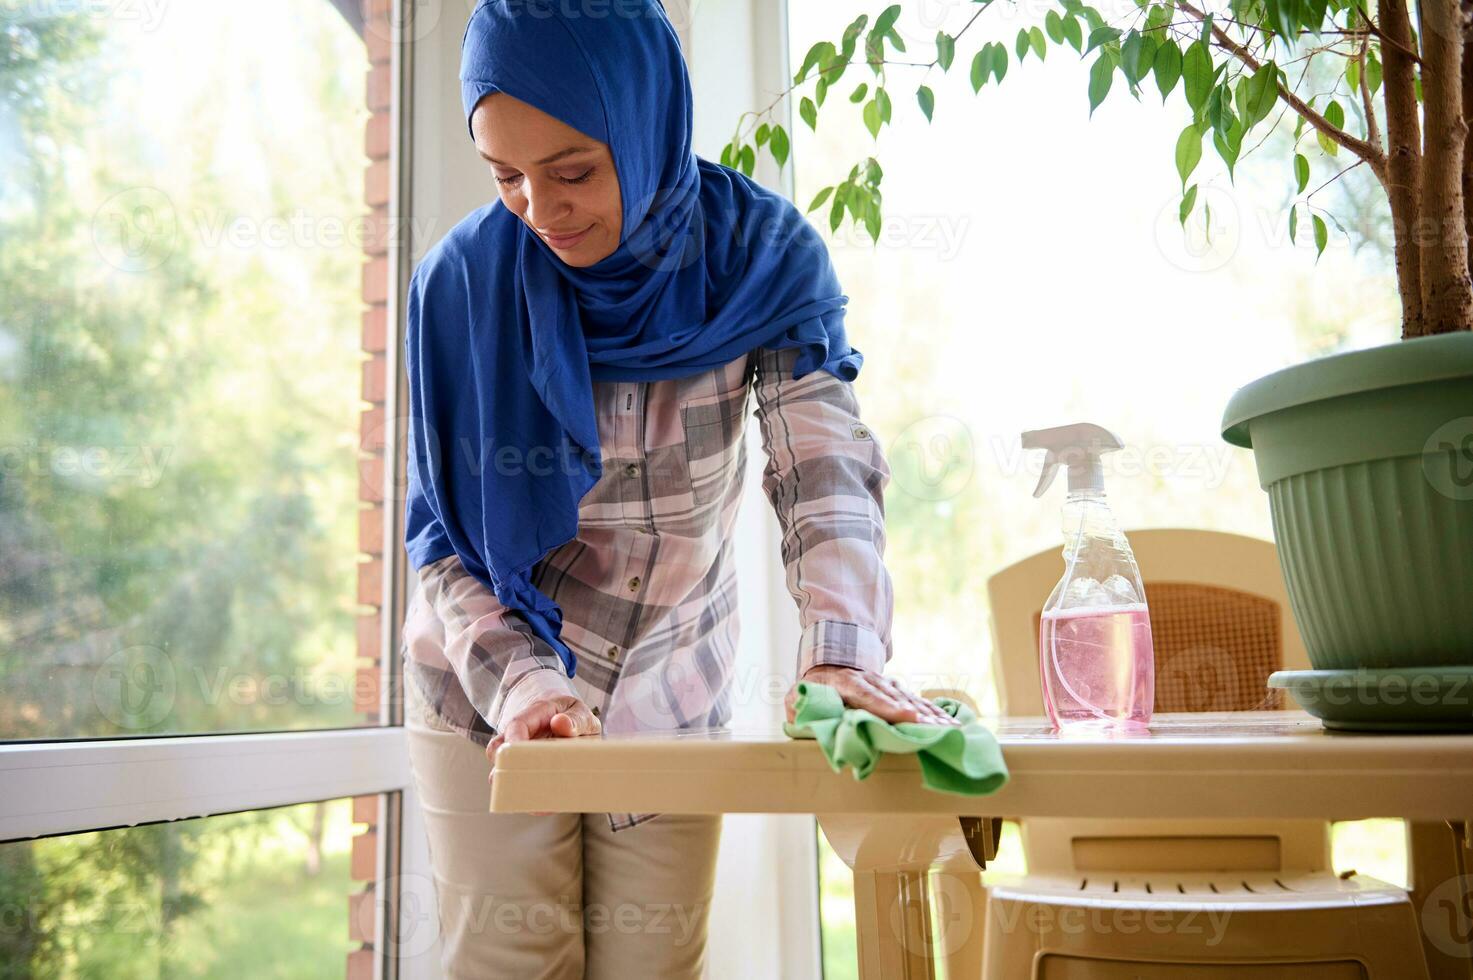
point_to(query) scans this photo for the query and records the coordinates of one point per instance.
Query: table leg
(892, 920)
(1442, 896)
(890, 857)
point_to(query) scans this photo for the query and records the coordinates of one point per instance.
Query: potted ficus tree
(1367, 456)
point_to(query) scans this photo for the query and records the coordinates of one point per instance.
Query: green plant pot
(1367, 458)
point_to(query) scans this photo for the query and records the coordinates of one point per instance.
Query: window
(200, 259)
(1031, 271)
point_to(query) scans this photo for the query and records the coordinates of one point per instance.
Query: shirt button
(631, 470)
(595, 711)
(634, 583)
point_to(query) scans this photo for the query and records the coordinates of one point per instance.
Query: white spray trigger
(1077, 446)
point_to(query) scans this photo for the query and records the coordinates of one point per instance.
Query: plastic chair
(1228, 899)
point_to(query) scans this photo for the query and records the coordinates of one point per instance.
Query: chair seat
(1263, 924)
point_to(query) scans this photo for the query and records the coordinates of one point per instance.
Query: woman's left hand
(876, 693)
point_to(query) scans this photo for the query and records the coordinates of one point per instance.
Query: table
(889, 830)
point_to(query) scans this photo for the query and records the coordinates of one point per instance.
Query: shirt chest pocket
(713, 416)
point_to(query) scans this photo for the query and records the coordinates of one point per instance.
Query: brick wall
(378, 140)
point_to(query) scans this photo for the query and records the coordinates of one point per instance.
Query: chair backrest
(1220, 621)
(1220, 624)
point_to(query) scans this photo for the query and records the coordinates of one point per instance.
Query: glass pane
(190, 346)
(246, 895)
(1032, 270)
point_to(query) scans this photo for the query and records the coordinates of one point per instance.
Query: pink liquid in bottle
(1098, 668)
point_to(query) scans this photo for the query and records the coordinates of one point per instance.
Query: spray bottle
(1097, 664)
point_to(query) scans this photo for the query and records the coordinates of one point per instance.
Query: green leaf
(1328, 145)
(1074, 34)
(857, 96)
(1301, 172)
(1197, 75)
(927, 101)
(1321, 237)
(1229, 145)
(1262, 93)
(872, 118)
(1054, 24)
(1101, 74)
(1021, 44)
(821, 90)
(883, 99)
(1130, 57)
(836, 211)
(780, 145)
(1187, 200)
(1352, 75)
(945, 49)
(1220, 109)
(1167, 67)
(1040, 46)
(748, 160)
(763, 131)
(1293, 222)
(1335, 114)
(728, 155)
(1101, 35)
(887, 18)
(1373, 73)
(821, 50)
(981, 67)
(999, 61)
(818, 199)
(896, 41)
(1188, 152)
(809, 112)
(851, 35)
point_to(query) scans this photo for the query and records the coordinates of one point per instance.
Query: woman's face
(561, 183)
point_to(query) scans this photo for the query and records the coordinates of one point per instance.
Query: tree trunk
(1403, 160)
(1447, 290)
(1467, 6)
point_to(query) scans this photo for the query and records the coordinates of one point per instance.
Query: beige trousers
(562, 896)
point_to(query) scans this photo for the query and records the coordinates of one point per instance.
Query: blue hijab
(503, 340)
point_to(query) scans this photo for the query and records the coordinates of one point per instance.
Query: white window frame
(75, 786)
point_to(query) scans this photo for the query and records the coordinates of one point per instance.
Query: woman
(580, 353)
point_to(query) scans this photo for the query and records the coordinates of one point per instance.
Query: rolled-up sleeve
(825, 477)
(501, 664)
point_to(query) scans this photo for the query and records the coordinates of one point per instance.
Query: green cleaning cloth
(965, 760)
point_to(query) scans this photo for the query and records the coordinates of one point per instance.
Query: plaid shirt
(648, 586)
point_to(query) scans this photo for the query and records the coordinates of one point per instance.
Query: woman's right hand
(552, 716)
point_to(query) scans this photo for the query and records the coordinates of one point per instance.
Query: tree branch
(1371, 154)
